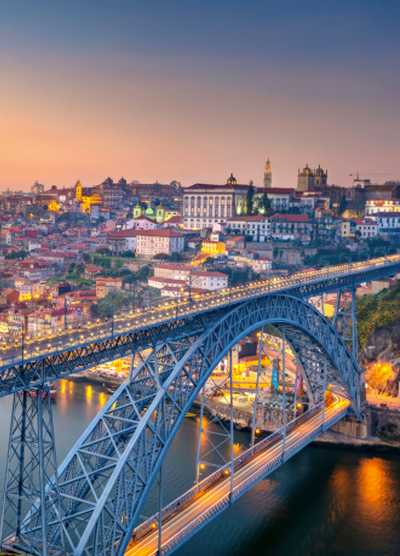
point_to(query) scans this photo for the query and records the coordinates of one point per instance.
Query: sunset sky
(195, 89)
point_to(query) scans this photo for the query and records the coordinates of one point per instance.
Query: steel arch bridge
(91, 505)
(105, 479)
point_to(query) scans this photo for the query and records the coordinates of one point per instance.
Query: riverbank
(108, 382)
(360, 440)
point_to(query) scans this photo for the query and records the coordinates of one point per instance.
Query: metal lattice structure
(91, 504)
(105, 479)
(31, 469)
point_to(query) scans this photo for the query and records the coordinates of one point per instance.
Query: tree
(17, 255)
(342, 204)
(265, 203)
(250, 199)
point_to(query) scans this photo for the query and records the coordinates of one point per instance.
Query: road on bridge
(93, 331)
(183, 523)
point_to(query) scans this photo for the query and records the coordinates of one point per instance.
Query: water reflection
(374, 489)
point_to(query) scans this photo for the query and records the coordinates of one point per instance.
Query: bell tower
(268, 174)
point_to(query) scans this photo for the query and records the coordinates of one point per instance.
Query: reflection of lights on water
(89, 392)
(71, 386)
(374, 488)
(63, 387)
(102, 399)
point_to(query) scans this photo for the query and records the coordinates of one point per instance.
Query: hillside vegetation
(378, 311)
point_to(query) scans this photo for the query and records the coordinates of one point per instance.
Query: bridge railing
(173, 309)
(223, 471)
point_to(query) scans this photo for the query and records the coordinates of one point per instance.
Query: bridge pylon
(31, 475)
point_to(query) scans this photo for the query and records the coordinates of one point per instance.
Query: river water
(324, 502)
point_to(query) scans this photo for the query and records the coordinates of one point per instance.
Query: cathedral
(309, 179)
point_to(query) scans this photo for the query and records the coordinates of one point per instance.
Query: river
(324, 502)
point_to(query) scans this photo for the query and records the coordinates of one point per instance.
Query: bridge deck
(204, 505)
(91, 332)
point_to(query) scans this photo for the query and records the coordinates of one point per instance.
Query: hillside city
(71, 254)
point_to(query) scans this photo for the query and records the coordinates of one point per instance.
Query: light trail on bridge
(205, 504)
(62, 340)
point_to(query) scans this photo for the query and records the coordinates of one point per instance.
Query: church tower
(268, 174)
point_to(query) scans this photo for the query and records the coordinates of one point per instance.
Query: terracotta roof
(167, 232)
(216, 186)
(211, 274)
(122, 234)
(249, 218)
(173, 266)
(291, 217)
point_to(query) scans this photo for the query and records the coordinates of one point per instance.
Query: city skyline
(194, 92)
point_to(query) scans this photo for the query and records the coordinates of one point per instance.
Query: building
(280, 198)
(268, 174)
(373, 206)
(292, 227)
(259, 265)
(155, 242)
(213, 248)
(209, 281)
(256, 227)
(207, 204)
(105, 285)
(348, 228)
(175, 279)
(122, 241)
(388, 223)
(176, 271)
(309, 179)
(367, 228)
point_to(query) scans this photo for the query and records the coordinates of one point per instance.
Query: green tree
(250, 199)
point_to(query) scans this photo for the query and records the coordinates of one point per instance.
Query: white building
(154, 242)
(374, 206)
(280, 197)
(262, 264)
(176, 271)
(388, 222)
(256, 226)
(367, 228)
(122, 240)
(209, 281)
(141, 223)
(206, 204)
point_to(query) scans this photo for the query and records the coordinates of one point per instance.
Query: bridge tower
(31, 472)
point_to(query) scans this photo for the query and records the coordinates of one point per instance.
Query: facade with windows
(206, 204)
(256, 226)
(287, 227)
(154, 242)
(388, 223)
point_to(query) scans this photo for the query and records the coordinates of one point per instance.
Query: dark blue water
(324, 502)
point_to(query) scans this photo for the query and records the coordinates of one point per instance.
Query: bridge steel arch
(105, 479)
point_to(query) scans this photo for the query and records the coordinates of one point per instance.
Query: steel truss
(31, 478)
(30, 371)
(106, 477)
